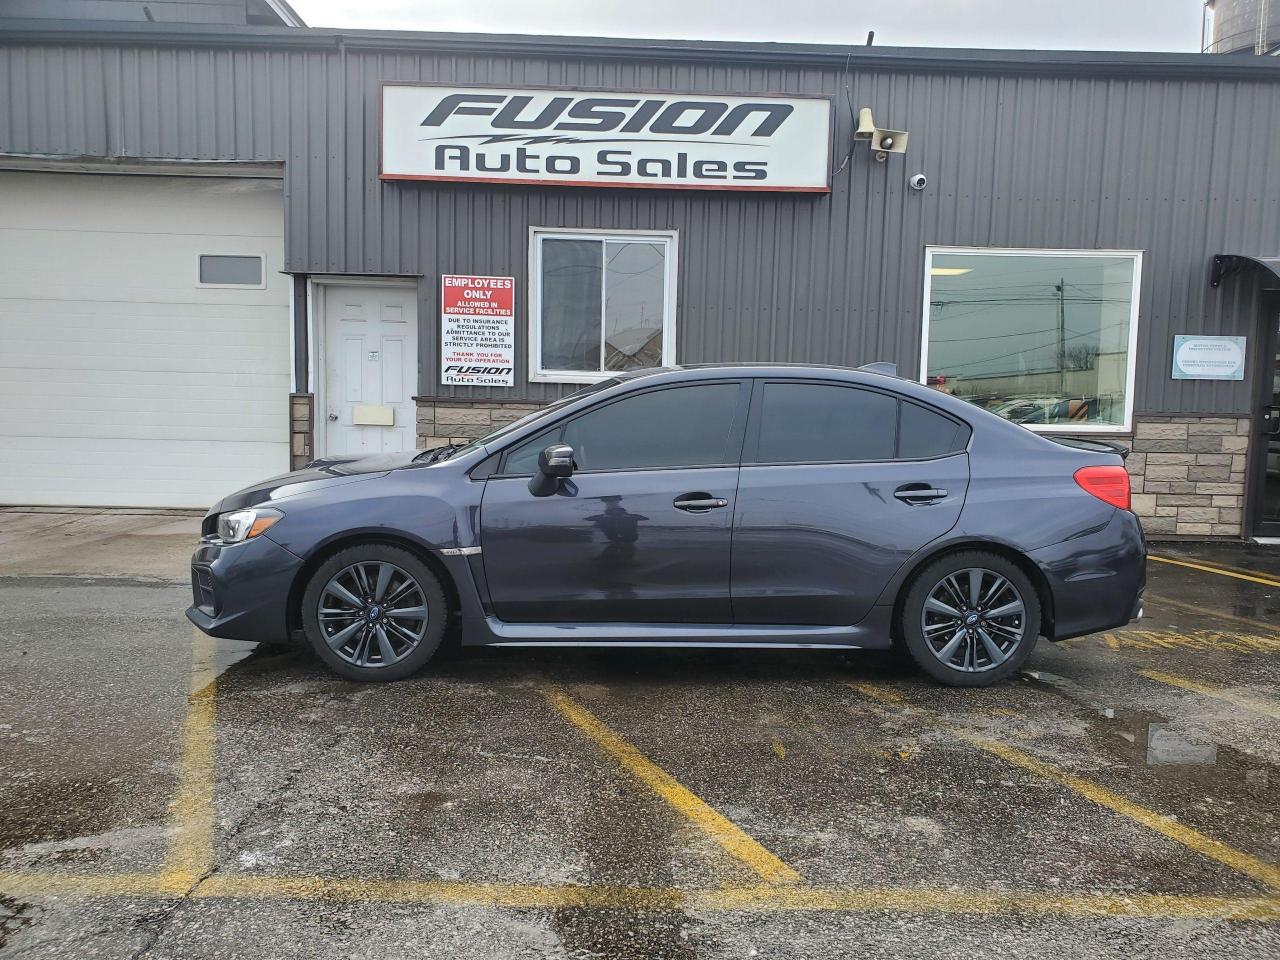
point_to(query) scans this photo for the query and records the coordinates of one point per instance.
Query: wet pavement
(169, 796)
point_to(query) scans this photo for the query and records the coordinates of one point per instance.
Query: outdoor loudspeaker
(889, 141)
(866, 125)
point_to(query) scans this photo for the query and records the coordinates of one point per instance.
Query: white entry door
(371, 368)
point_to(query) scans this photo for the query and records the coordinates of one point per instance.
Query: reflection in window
(1038, 338)
(602, 304)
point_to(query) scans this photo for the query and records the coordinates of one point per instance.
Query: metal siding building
(1177, 156)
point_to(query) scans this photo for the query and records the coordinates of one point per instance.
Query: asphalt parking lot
(170, 796)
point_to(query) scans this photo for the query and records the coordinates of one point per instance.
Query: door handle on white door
(333, 417)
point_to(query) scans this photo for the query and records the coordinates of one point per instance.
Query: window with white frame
(600, 303)
(1045, 338)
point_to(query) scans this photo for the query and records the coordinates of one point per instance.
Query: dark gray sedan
(717, 506)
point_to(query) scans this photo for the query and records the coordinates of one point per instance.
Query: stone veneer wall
(301, 429)
(1188, 475)
(457, 421)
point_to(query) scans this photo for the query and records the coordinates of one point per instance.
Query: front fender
(435, 513)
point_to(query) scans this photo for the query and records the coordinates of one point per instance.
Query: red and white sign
(477, 331)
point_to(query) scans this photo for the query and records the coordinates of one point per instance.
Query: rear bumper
(1096, 580)
(241, 591)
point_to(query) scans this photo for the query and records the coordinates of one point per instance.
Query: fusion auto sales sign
(572, 138)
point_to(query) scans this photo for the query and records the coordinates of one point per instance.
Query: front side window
(673, 427)
(601, 304)
(1042, 338)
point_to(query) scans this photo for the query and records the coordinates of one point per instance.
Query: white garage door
(125, 380)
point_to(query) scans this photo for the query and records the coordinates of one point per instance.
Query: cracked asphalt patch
(682, 805)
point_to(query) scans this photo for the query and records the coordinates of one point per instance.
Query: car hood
(330, 471)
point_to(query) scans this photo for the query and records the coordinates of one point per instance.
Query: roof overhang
(845, 58)
(1226, 264)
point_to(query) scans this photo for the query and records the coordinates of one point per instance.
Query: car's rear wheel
(971, 619)
(374, 612)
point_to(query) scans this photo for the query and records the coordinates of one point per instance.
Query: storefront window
(1045, 339)
(601, 304)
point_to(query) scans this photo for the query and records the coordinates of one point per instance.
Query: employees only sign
(477, 331)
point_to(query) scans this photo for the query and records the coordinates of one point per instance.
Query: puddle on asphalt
(1151, 745)
(1168, 745)
(51, 810)
(608, 934)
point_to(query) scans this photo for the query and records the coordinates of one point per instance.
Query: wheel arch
(1012, 554)
(360, 539)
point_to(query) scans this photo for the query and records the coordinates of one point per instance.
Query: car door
(641, 531)
(839, 485)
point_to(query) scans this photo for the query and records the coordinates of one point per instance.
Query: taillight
(1110, 484)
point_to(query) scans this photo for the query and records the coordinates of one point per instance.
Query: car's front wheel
(374, 612)
(971, 619)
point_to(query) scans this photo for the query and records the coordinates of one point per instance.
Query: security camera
(918, 181)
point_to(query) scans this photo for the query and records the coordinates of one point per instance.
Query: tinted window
(803, 422)
(923, 433)
(679, 427)
(523, 459)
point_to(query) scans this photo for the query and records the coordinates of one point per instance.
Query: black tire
(345, 658)
(971, 662)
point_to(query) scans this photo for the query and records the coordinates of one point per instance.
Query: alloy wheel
(973, 620)
(372, 613)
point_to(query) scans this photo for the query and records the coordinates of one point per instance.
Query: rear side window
(825, 423)
(815, 422)
(922, 433)
(676, 427)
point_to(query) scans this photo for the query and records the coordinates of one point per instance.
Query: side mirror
(555, 463)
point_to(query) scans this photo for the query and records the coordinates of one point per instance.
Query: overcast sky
(1043, 24)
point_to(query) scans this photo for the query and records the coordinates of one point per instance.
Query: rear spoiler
(883, 367)
(1094, 446)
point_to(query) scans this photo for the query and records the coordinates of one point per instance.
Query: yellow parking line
(38, 884)
(1192, 839)
(190, 854)
(762, 899)
(1217, 693)
(1209, 613)
(755, 899)
(1251, 576)
(713, 824)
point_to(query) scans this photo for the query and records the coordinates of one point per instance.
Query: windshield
(531, 417)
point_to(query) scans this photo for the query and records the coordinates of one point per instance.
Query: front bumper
(240, 591)
(1096, 580)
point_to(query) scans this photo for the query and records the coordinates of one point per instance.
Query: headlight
(246, 524)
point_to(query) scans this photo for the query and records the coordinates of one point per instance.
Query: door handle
(698, 502)
(918, 494)
(333, 417)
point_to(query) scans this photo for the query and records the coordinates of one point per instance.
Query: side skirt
(677, 644)
(872, 633)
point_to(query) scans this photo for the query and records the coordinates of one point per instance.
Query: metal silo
(1242, 26)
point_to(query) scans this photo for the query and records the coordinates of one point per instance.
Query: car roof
(976, 417)
(621, 383)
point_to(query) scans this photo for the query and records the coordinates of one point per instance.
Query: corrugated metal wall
(1181, 168)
